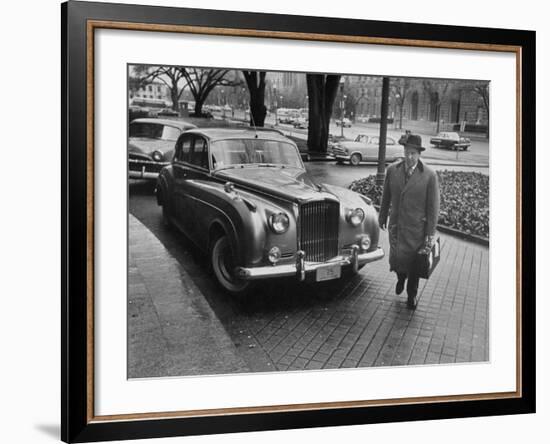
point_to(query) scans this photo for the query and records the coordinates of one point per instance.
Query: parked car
(345, 122)
(168, 112)
(151, 144)
(244, 197)
(450, 140)
(136, 112)
(300, 122)
(365, 149)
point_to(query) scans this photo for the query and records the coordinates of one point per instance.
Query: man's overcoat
(413, 207)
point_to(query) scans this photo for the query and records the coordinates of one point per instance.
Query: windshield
(153, 131)
(230, 153)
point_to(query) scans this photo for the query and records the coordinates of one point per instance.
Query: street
(355, 321)
(477, 154)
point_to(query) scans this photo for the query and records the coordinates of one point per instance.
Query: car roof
(181, 124)
(214, 134)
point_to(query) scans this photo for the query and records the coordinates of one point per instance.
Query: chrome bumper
(342, 157)
(302, 267)
(142, 174)
(148, 169)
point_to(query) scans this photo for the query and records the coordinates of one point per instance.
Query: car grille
(319, 223)
(139, 156)
(339, 151)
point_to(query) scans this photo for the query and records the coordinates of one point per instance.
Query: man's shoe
(400, 285)
(412, 301)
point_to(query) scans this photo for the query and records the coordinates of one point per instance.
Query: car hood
(352, 145)
(286, 183)
(145, 145)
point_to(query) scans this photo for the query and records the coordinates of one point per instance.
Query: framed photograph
(248, 200)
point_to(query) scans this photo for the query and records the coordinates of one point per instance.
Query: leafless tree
(400, 88)
(202, 81)
(482, 90)
(437, 91)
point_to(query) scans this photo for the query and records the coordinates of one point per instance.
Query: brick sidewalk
(355, 322)
(366, 324)
(172, 331)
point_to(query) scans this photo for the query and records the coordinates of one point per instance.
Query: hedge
(464, 199)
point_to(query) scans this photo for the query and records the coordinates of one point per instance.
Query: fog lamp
(364, 243)
(274, 255)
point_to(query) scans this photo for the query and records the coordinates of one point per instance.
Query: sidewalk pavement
(172, 331)
(361, 322)
(358, 322)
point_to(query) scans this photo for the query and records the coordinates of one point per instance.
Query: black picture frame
(78, 423)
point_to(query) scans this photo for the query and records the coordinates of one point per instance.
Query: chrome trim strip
(148, 162)
(142, 175)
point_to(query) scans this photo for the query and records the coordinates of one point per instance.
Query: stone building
(454, 103)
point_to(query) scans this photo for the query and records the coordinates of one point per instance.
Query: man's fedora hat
(411, 141)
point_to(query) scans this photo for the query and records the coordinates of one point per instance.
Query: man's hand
(429, 241)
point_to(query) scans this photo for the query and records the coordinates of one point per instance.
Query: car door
(197, 175)
(182, 198)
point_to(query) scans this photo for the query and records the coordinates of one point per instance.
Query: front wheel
(355, 159)
(222, 260)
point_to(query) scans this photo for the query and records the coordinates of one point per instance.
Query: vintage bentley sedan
(151, 145)
(244, 197)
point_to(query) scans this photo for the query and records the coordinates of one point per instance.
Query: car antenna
(252, 120)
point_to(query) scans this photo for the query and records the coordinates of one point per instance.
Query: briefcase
(427, 260)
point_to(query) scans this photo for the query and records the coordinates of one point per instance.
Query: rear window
(153, 131)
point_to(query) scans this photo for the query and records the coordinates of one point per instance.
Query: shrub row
(464, 199)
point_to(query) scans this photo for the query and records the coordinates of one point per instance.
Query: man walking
(411, 191)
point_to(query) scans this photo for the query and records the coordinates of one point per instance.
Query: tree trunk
(174, 95)
(198, 107)
(401, 116)
(258, 110)
(256, 86)
(322, 90)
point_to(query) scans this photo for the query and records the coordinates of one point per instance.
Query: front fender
(243, 217)
(351, 200)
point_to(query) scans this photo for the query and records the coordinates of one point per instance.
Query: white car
(365, 149)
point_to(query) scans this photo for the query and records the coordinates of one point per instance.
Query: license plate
(327, 273)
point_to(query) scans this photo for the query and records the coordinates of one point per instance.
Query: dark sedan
(450, 140)
(151, 145)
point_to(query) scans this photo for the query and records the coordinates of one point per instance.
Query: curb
(172, 330)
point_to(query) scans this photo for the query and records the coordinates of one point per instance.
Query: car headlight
(355, 217)
(158, 156)
(279, 222)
